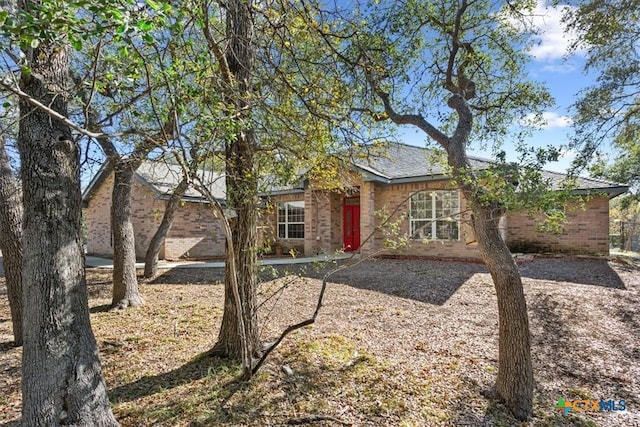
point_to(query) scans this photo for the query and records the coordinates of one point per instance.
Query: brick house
(194, 234)
(404, 182)
(418, 191)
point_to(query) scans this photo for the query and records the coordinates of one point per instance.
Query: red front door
(351, 224)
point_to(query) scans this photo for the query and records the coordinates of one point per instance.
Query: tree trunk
(151, 257)
(11, 241)
(62, 381)
(514, 383)
(125, 281)
(242, 196)
(632, 226)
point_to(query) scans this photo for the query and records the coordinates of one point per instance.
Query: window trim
(286, 221)
(432, 218)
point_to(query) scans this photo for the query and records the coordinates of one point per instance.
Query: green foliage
(408, 46)
(609, 111)
(304, 110)
(392, 229)
(456, 70)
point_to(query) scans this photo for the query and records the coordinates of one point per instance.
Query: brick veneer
(194, 234)
(388, 197)
(586, 231)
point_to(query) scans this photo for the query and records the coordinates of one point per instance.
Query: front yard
(398, 343)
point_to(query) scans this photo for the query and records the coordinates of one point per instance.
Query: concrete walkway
(97, 262)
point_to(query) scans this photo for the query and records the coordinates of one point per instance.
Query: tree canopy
(608, 112)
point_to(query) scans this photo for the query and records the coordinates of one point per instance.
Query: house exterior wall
(388, 197)
(194, 234)
(586, 231)
(270, 217)
(98, 221)
(323, 228)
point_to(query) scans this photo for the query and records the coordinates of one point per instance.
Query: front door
(351, 223)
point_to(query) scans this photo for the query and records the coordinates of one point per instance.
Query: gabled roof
(395, 163)
(161, 178)
(586, 185)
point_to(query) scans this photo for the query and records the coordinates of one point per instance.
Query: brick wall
(195, 233)
(323, 222)
(388, 197)
(586, 231)
(98, 217)
(367, 216)
(270, 218)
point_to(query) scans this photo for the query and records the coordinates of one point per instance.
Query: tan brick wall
(146, 215)
(388, 197)
(98, 217)
(270, 217)
(586, 231)
(323, 222)
(367, 217)
(194, 234)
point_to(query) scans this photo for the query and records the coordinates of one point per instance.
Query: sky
(563, 76)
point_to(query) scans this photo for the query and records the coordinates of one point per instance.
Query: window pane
(450, 203)
(291, 220)
(434, 215)
(447, 230)
(296, 231)
(418, 208)
(295, 212)
(421, 229)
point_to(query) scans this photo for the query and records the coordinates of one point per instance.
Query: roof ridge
(588, 178)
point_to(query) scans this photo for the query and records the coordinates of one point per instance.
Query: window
(291, 220)
(433, 215)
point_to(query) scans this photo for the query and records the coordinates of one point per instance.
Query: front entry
(351, 223)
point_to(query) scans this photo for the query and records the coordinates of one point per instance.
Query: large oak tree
(62, 381)
(455, 70)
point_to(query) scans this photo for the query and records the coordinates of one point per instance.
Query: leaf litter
(397, 343)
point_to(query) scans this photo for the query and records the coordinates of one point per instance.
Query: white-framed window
(291, 220)
(434, 215)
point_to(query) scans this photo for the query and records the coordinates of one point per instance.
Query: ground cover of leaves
(397, 343)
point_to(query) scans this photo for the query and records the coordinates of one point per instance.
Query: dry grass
(398, 343)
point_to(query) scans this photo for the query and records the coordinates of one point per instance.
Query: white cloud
(553, 39)
(548, 120)
(563, 68)
(568, 154)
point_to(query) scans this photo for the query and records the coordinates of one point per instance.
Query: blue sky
(562, 74)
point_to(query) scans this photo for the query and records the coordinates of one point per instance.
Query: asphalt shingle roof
(403, 162)
(163, 178)
(395, 162)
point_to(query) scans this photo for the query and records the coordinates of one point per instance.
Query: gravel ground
(434, 323)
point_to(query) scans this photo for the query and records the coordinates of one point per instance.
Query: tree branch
(407, 119)
(51, 112)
